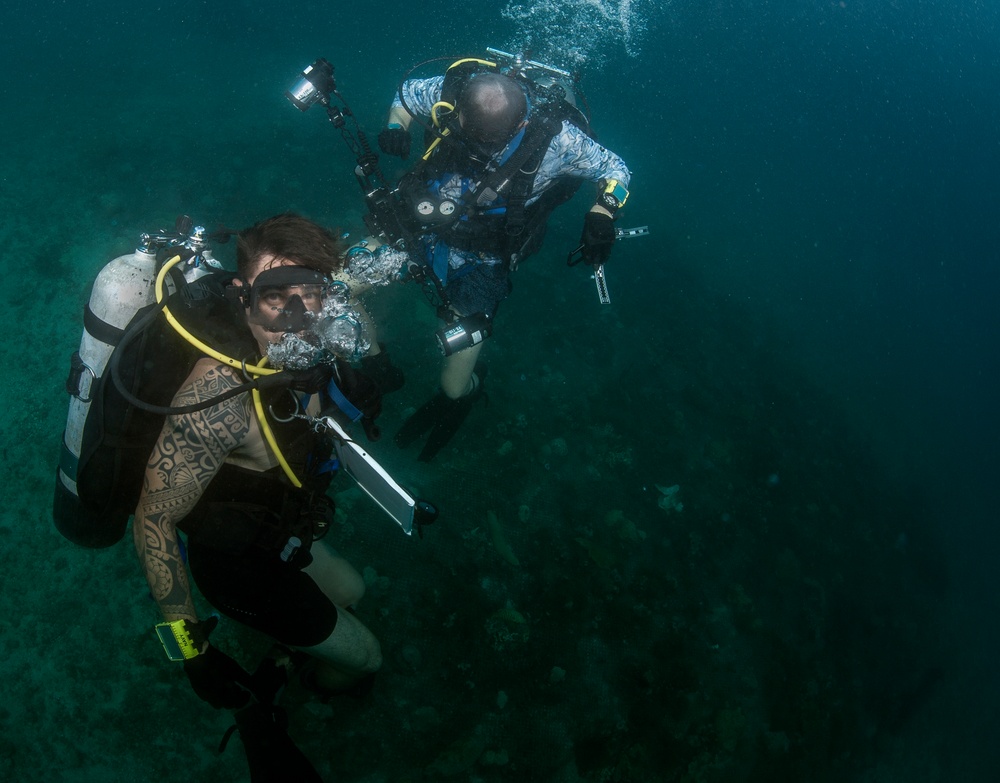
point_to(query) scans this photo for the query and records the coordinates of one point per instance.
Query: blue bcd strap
(341, 401)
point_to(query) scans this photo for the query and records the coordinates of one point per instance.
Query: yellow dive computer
(178, 642)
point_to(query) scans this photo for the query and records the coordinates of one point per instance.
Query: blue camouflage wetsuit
(479, 281)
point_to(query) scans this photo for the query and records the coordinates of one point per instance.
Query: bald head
(491, 107)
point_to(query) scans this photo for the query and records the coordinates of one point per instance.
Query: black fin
(421, 420)
(447, 424)
(271, 754)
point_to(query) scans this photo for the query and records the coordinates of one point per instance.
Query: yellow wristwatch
(178, 640)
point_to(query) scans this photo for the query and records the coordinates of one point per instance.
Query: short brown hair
(293, 237)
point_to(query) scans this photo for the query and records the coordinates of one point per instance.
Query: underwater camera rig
(388, 217)
(316, 84)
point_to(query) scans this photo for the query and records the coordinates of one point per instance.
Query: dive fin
(422, 420)
(445, 426)
(271, 754)
(263, 727)
(442, 417)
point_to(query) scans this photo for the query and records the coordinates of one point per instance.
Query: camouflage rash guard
(571, 153)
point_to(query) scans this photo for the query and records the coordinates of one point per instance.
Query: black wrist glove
(311, 380)
(395, 141)
(214, 675)
(598, 237)
(364, 394)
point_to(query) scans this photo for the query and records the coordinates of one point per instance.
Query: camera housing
(464, 333)
(313, 86)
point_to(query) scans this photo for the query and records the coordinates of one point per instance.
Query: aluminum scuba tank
(551, 82)
(97, 480)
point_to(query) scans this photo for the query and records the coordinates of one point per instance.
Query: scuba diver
(505, 149)
(235, 453)
(248, 488)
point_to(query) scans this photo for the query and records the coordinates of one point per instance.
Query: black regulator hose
(140, 326)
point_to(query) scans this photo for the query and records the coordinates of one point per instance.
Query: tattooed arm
(189, 452)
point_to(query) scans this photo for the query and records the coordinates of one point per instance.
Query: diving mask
(311, 313)
(287, 298)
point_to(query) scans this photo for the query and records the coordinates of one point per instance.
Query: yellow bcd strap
(251, 369)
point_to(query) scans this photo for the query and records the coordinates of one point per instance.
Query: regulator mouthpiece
(313, 313)
(326, 340)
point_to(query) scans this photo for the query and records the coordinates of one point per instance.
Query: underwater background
(806, 345)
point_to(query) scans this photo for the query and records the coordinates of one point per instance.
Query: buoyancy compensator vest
(243, 510)
(107, 440)
(493, 216)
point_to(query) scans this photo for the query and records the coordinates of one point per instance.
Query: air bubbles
(571, 33)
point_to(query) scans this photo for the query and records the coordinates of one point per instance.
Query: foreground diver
(252, 537)
(509, 155)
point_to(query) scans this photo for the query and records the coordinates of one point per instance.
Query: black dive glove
(364, 394)
(598, 237)
(395, 141)
(311, 380)
(213, 674)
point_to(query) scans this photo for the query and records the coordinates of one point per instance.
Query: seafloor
(556, 623)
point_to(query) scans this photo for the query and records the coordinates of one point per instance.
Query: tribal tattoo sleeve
(189, 452)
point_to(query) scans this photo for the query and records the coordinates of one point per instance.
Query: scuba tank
(546, 83)
(107, 441)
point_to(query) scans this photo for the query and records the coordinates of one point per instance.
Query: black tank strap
(523, 180)
(518, 172)
(100, 329)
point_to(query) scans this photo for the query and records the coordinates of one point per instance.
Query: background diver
(507, 153)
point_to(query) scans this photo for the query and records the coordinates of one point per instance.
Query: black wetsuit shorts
(250, 583)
